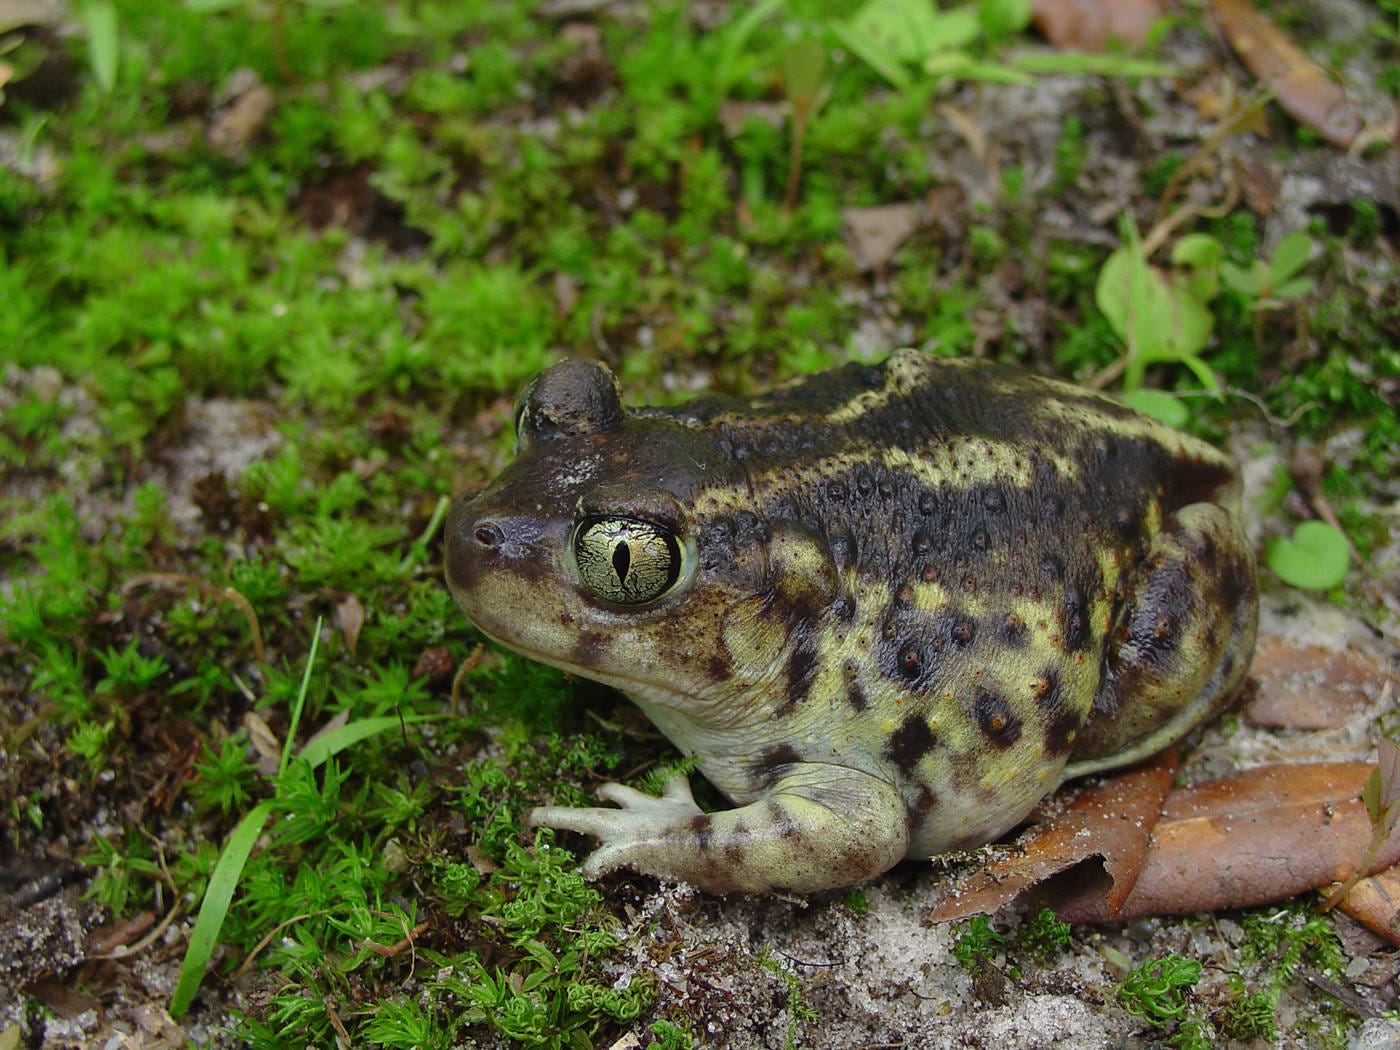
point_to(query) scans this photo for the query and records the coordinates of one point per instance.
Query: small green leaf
(963, 66)
(898, 29)
(1084, 64)
(1294, 289)
(1289, 257)
(735, 39)
(205, 7)
(1170, 410)
(99, 18)
(1246, 282)
(1001, 18)
(950, 31)
(869, 51)
(1199, 255)
(1198, 251)
(1316, 558)
(803, 65)
(1371, 796)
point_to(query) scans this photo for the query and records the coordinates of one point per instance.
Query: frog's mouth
(646, 693)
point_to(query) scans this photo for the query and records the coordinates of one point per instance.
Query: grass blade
(212, 911)
(322, 747)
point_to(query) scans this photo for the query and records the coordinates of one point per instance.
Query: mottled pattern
(910, 599)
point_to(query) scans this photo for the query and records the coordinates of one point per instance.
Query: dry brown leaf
(264, 741)
(1303, 686)
(17, 14)
(1088, 25)
(1375, 903)
(63, 999)
(349, 618)
(1263, 835)
(247, 104)
(875, 234)
(1112, 820)
(1299, 84)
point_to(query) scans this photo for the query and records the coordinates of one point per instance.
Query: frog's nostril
(488, 534)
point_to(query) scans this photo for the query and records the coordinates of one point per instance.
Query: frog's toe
(676, 799)
(640, 818)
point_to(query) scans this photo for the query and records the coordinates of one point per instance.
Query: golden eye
(626, 560)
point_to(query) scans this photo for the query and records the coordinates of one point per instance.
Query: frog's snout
(480, 541)
(486, 533)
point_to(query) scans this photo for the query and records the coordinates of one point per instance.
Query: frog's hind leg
(1182, 642)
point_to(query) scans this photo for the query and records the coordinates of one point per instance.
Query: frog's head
(586, 552)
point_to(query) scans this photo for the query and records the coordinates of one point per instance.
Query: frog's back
(978, 522)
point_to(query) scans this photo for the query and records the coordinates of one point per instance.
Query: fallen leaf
(248, 104)
(1260, 836)
(1112, 820)
(65, 1001)
(349, 618)
(1308, 686)
(265, 743)
(1299, 84)
(1089, 25)
(734, 115)
(875, 234)
(1375, 903)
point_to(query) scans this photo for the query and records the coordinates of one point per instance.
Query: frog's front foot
(819, 827)
(642, 822)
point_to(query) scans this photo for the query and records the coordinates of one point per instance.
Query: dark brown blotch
(781, 821)
(855, 696)
(924, 802)
(774, 760)
(1013, 630)
(996, 719)
(702, 827)
(588, 646)
(910, 743)
(1060, 733)
(1077, 626)
(803, 664)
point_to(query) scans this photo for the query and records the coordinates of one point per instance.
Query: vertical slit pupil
(621, 560)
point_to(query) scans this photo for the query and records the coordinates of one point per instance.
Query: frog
(885, 610)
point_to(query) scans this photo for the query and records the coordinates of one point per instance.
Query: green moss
(443, 198)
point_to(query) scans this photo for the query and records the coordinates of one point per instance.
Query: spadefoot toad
(887, 608)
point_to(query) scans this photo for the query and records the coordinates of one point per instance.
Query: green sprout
(1315, 558)
(1156, 990)
(1381, 796)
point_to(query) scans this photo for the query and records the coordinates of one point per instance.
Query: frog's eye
(627, 561)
